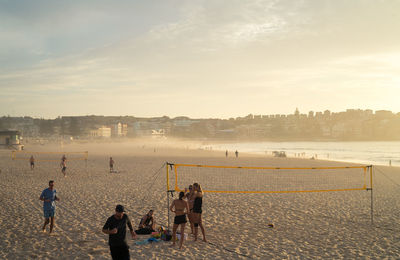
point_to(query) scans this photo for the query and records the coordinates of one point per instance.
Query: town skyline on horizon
(222, 118)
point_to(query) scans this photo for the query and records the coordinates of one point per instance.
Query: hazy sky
(198, 58)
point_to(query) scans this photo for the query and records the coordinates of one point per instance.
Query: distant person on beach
(32, 162)
(237, 153)
(180, 207)
(190, 199)
(49, 196)
(147, 221)
(111, 165)
(63, 165)
(115, 227)
(226, 153)
(197, 211)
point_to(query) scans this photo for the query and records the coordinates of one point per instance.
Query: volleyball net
(235, 179)
(49, 156)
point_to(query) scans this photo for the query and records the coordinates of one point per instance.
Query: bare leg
(175, 227)
(182, 235)
(51, 224)
(45, 224)
(190, 216)
(196, 227)
(202, 231)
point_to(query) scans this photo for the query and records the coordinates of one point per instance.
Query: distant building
(10, 140)
(104, 131)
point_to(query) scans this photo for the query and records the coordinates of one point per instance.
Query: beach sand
(307, 225)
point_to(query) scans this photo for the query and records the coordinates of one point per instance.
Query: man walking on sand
(63, 165)
(49, 196)
(115, 227)
(32, 162)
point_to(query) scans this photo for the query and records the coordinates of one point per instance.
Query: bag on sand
(144, 231)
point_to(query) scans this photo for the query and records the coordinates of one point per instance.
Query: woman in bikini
(197, 205)
(180, 207)
(190, 199)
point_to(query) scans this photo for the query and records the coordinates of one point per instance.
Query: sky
(202, 59)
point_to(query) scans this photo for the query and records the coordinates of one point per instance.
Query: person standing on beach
(115, 227)
(49, 196)
(197, 205)
(237, 153)
(32, 162)
(190, 199)
(226, 153)
(111, 165)
(180, 207)
(63, 165)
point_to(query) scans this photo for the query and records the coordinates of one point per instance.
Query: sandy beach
(333, 225)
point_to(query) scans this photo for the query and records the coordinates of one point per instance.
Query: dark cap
(119, 208)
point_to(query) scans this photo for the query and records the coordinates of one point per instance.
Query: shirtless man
(63, 165)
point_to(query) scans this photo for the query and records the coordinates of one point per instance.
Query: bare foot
(204, 240)
(172, 245)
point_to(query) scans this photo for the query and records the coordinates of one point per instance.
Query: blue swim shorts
(49, 213)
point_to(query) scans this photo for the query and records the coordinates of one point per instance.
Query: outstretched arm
(133, 233)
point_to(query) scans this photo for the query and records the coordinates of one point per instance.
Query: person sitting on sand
(197, 205)
(180, 207)
(147, 221)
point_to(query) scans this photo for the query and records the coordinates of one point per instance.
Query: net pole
(166, 165)
(372, 197)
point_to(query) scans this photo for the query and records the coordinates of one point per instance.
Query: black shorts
(63, 169)
(180, 219)
(32, 163)
(120, 252)
(197, 210)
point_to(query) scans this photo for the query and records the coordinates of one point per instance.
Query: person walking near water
(226, 153)
(237, 153)
(49, 196)
(111, 165)
(115, 227)
(32, 162)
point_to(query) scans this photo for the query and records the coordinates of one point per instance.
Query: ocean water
(376, 153)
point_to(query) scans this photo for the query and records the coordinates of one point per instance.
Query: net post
(166, 166)
(372, 196)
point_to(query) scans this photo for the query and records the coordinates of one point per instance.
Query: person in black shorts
(180, 207)
(115, 227)
(197, 205)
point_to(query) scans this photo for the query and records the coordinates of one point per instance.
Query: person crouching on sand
(180, 207)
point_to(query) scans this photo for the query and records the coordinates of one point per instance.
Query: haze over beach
(285, 112)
